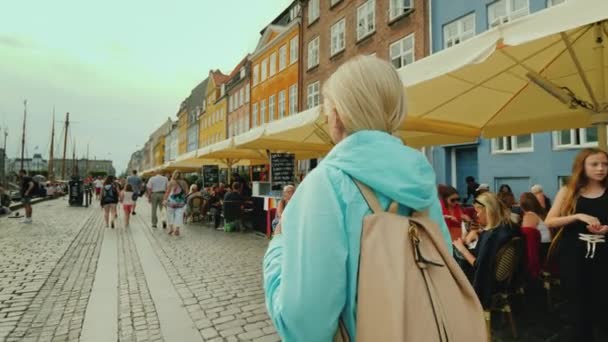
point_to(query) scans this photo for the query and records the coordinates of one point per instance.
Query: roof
(238, 67)
(218, 77)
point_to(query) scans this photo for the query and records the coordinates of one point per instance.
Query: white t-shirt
(127, 197)
(98, 183)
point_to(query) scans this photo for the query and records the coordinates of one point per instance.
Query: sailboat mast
(74, 167)
(51, 170)
(65, 144)
(23, 134)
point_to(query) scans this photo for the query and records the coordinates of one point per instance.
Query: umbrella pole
(602, 112)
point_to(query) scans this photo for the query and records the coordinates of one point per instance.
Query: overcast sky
(119, 67)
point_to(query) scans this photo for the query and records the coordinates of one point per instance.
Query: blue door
(466, 165)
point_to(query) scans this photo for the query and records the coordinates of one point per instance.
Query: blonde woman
(497, 230)
(175, 201)
(311, 266)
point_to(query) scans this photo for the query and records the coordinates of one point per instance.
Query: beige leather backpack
(410, 287)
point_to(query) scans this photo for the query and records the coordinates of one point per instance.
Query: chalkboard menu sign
(211, 175)
(282, 167)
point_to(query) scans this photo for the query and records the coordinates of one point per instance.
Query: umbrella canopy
(225, 153)
(306, 134)
(543, 72)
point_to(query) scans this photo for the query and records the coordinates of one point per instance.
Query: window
(366, 19)
(271, 103)
(573, 138)
(313, 11)
(402, 52)
(281, 104)
(554, 2)
(399, 8)
(242, 97)
(254, 115)
(273, 64)
(230, 102)
(262, 112)
(293, 50)
(256, 74)
(515, 143)
(313, 53)
(264, 71)
(222, 90)
(337, 36)
(247, 93)
(293, 99)
(242, 72)
(282, 57)
(313, 98)
(503, 11)
(459, 30)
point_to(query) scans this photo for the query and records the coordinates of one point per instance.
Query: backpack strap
(369, 196)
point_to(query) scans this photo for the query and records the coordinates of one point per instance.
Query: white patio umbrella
(543, 72)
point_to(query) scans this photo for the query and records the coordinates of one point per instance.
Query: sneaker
(153, 226)
(27, 221)
(133, 213)
(164, 225)
(112, 225)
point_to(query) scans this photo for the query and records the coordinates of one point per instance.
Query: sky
(120, 68)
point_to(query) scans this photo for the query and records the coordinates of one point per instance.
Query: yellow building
(275, 70)
(213, 119)
(159, 151)
(182, 129)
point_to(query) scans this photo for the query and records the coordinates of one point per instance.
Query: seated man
(232, 207)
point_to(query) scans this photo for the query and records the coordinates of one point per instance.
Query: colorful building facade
(212, 122)
(238, 89)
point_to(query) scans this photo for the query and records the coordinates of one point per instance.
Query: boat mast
(23, 134)
(65, 144)
(51, 171)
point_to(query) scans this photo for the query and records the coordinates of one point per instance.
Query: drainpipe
(300, 56)
(600, 118)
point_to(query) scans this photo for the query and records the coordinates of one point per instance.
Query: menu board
(282, 167)
(211, 175)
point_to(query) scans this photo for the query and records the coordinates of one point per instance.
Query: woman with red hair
(452, 212)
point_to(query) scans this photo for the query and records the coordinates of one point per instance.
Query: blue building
(519, 161)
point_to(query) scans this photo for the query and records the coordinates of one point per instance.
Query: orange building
(275, 69)
(182, 129)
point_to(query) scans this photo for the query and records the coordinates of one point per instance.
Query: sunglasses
(456, 199)
(479, 204)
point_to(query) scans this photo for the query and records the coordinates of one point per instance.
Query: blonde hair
(496, 211)
(367, 94)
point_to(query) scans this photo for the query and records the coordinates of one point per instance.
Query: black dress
(585, 280)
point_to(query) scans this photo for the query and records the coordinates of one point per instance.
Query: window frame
(311, 96)
(316, 43)
(582, 139)
(254, 115)
(551, 4)
(264, 70)
(272, 68)
(513, 144)
(293, 103)
(282, 57)
(293, 49)
(368, 6)
(401, 56)
(314, 11)
(256, 74)
(271, 105)
(281, 105)
(461, 35)
(508, 17)
(394, 15)
(337, 34)
(262, 112)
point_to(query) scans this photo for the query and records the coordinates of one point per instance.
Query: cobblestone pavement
(48, 270)
(218, 277)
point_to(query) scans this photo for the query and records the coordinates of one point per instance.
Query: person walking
(136, 184)
(156, 188)
(27, 191)
(98, 185)
(109, 200)
(581, 209)
(312, 263)
(126, 198)
(175, 200)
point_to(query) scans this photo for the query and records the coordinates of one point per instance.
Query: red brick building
(336, 30)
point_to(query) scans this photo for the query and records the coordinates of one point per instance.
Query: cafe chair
(196, 209)
(505, 266)
(550, 269)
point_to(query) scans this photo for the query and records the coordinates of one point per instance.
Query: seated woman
(288, 192)
(192, 194)
(452, 212)
(537, 243)
(497, 230)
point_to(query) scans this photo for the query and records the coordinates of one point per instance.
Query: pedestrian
(126, 198)
(175, 201)
(109, 200)
(288, 192)
(472, 186)
(580, 208)
(312, 263)
(544, 201)
(28, 189)
(156, 188)
(136, 184)
(98, 185)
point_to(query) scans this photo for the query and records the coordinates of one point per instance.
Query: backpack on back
(110, 195)
(409, 286)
